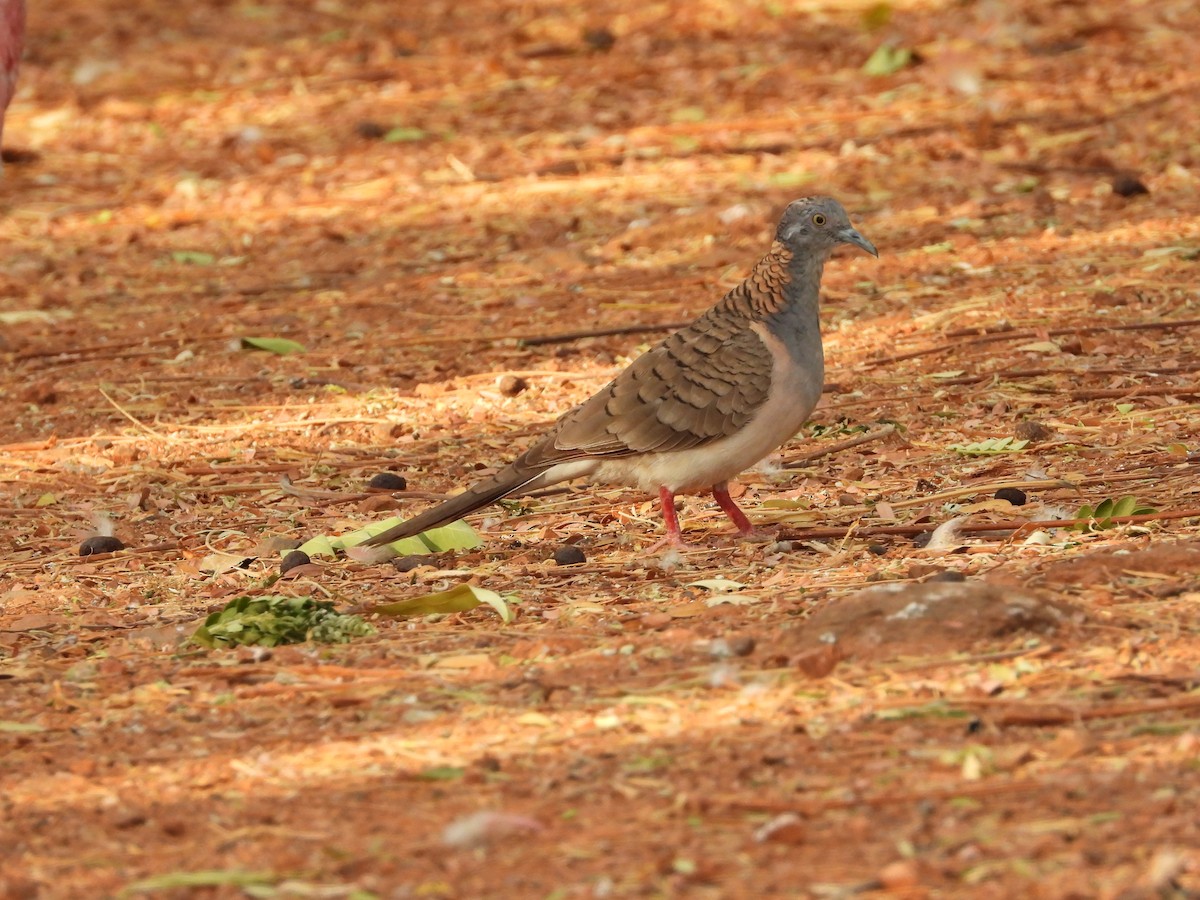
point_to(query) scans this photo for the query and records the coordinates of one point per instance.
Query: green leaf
(887, 60)
(321, 545)
(1102, 514)
(877, 16)
(688, 114)
(281, 346)
(442, 773)
(990, 447)
(7, 727)
(460, 598)
(942, 247)
(790, 179)
(209, 878)
(1124, 408)
(193, 257)
(405, 134)
(1125, 506)
(455, 536)
(274, 620)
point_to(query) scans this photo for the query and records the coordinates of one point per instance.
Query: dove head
(817, 225)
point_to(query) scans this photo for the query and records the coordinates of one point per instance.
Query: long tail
(507, 481)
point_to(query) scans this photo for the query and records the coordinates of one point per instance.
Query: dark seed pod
(372, 131)
(1032, 431)
(388, 481)
(292, 559)
(948, 575)
(511, 385)
(1128, 186)
(568, 556)
(408, 563)
(741, 645)
(599, 39)
(1015, 496)
(100, 543)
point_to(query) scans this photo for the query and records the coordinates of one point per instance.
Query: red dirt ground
(432, 197)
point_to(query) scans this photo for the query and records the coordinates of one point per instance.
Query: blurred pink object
(12, 42)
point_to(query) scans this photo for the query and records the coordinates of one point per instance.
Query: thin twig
(797, 462)
(146, 428)
(814, 807)
(807, 534)
(1010, 713)
(992, 338)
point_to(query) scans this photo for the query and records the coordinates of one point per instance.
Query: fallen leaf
(460, 598)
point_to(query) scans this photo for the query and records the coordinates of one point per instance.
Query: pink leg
(674, 536)
(720, 493)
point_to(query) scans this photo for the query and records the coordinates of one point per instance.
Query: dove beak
(851, 236)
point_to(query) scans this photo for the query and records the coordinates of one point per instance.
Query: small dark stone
(292, 559)
(408, 563)
(975, 725)
(568, 556)
(877, 549)
(511, 385)
(100, 543)
(1126, 185)
(948, 575)
(174, 827)
(129, 819)
(1072, 345)
(741, 645)
(1015, 496)
(388, 481)
(1032, 431)
(922, 539)
(600, 39)
(489, 763)
(372, 131)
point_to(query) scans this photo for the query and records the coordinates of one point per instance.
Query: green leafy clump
(270, 621)
(990, 447)
(1102, 514)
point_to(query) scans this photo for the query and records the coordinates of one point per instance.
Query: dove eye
(818, 219)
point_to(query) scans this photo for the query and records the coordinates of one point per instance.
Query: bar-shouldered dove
(708, 402)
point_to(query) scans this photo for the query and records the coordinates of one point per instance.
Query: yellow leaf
(1041, 347)
(459, 598)
(464, 661)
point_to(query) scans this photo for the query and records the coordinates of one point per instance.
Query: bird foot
(670, 541)
(761, 535)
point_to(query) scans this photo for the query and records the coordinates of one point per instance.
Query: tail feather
(508, 481)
